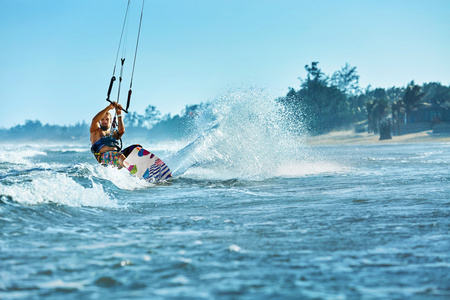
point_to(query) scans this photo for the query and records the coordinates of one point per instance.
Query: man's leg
(121, 159)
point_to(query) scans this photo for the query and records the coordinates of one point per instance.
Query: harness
(102, 142)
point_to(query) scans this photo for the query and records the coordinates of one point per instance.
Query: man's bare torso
(97, 135)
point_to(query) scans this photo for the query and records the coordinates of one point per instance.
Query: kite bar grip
(129, 98)
(110, 87)
(122, 108)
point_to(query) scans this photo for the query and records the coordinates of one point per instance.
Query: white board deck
(145, 165)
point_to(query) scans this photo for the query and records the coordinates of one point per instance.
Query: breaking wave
(56, 188)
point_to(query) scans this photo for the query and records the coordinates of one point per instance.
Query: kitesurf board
(145, 165)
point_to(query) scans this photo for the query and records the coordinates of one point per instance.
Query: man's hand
(115, 105)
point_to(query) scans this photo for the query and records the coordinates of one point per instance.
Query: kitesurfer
(105, 142)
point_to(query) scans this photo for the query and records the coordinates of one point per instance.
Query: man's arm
(99, 116)
(121, 126)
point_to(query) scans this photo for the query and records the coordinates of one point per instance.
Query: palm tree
(412, 98)
(382, 111)
(397, 108)
(370, 107)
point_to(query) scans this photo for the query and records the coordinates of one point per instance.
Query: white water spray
(244, 134)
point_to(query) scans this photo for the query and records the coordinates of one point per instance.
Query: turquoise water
(251, 213)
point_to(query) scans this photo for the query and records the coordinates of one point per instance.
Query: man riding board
(105, 144)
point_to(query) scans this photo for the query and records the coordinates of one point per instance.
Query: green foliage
(151, 117)
(346, 80)
(324, 104)
(436, 94)
(34, 130)
(412, 98)
(176, 127)
(319, 104)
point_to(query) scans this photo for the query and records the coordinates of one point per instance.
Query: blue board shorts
(110, 158)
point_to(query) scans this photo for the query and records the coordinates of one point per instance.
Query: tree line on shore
(149, 124)
(322, 103)
(325, 103)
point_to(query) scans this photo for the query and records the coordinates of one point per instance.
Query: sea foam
(57, 188)
(121, 178)
(13, 155)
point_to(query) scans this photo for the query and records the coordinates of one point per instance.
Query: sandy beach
(350, 137)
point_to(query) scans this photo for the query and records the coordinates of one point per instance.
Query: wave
(57, 188)
(246, 134)
(34, 174)
(16, 155)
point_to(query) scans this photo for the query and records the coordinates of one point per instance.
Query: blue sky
(57, 56)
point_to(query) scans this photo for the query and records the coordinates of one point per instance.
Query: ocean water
(252, 212)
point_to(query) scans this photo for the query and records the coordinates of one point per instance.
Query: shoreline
(351, 138)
